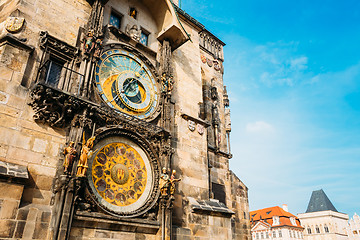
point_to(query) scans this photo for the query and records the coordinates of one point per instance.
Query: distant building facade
(353, 228)
(275, 223)
(322, 221)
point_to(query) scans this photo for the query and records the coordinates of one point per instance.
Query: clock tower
(115, 124)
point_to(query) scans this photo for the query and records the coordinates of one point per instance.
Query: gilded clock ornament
(126, 83)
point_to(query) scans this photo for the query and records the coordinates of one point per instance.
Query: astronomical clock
(126, 83)
(122, 173)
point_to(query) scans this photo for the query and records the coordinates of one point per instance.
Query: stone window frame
(147, 33)
(280, 233)
(308, 230)
(115, 12)
(274, 234)
(317, 229)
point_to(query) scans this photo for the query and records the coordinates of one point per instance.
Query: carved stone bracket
(53, 107)
(48, 41)
(60, 109)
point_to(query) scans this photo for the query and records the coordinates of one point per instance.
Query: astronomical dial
(126, 83)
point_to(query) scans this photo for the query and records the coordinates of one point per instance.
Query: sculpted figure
(164, 182)
(86, 153)
(89, 43)
(133, 32)
(172, 182)
(70, 154)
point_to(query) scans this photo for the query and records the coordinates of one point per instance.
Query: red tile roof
(267, 214)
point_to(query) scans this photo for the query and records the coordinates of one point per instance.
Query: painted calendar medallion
(120, 176)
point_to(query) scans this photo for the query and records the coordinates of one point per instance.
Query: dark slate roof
(320, 202)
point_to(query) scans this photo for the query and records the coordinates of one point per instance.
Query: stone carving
(56, 44)
(133, 32)
(70, 154)
(96, 19)
(211, 43)
(14, 24)
(200, 128)
(51, 107)
(216, 65)
(209, 62)
(213, 90)
(86, 153)
(59, 109)
(191, 125)
(215, 113)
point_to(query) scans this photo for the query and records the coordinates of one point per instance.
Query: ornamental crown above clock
(126, 83)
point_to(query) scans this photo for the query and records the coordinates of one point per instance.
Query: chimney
(285, 207)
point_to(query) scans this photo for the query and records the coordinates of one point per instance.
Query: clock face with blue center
(126, 83)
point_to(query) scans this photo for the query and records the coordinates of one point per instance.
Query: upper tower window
(133, 13)
(115, 19)
(144, 37)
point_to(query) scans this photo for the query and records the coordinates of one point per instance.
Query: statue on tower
(70, 154)
(86, 153)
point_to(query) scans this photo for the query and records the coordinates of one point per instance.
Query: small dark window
(219, 192)
(317, 229)
(133, 13)
(144, 38)
(53, 74)
(115, 19)
(326, 228)
(309, 230)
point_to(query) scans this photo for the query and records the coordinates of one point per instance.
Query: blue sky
(293, 74)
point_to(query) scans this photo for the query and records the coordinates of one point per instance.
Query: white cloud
(299, 63)
(259, 127)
